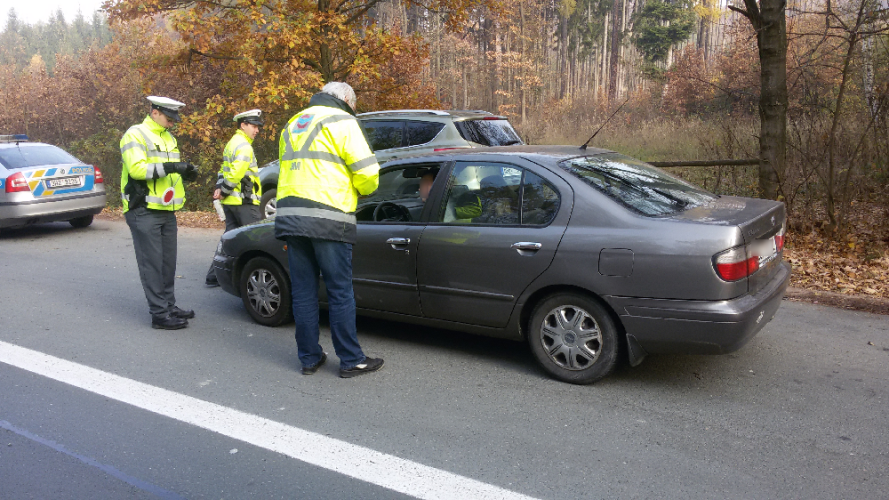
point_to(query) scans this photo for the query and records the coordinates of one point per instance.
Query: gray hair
(342, 91)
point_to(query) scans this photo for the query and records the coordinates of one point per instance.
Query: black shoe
(169, 323)
(367, 366)
(310, 370)
(181, 313)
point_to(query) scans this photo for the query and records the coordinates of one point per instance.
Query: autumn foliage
(548, 66)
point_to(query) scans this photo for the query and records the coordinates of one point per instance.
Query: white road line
(388, 471)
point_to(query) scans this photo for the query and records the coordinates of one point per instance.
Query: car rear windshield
(636, 185)
(488, 132)
(27, 156)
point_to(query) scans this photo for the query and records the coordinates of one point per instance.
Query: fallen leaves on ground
(205, 220)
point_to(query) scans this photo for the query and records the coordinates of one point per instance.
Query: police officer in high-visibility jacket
(325, 164)
(151, 192)
(237, 183)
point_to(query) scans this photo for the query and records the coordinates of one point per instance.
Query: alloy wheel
(271, 208)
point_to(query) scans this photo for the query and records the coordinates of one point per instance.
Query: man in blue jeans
(325, 165)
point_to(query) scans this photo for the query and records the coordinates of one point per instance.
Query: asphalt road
(800, 412)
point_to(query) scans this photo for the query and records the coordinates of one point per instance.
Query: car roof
(454, 114)
(531, 152)
(23, 144)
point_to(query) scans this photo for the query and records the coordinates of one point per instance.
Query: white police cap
(253, 116)
(167, 106)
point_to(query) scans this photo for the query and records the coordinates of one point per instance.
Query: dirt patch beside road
(876, 305)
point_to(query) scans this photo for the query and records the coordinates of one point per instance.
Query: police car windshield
(28, 155)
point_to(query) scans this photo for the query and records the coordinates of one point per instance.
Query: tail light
(16, 183)
(735, 264)
(98, 176)
(740, 262)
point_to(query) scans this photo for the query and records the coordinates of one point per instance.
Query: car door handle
(398, 243)
(526, 246)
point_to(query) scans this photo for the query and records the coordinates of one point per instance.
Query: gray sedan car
(588, 255)
(42, 183)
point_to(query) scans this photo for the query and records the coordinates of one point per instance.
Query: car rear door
(474, 263)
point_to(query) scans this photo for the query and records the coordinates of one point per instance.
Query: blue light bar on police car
(13, 138)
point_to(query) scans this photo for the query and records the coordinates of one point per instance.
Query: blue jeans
(333, 259)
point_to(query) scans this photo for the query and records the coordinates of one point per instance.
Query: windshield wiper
(679, 201)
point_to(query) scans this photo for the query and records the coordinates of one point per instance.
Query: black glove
(188, 171)
(175, 167)
(191, 172)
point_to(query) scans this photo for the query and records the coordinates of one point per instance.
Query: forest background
(683, 75)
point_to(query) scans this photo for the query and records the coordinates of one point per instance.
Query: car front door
(384, 260)
(494, 234)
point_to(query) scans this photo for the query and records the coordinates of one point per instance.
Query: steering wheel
(390, 211)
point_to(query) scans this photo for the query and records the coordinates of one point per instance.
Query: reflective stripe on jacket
(145, 148)
(238, 165)
(325, 164)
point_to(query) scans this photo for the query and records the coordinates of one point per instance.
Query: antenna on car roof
(583, 148)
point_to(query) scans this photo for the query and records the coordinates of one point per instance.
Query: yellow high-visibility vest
(325, 164)
(145, 148)
(239, 163)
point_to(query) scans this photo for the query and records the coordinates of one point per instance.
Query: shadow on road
(46, 230)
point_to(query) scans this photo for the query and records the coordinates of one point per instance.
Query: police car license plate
(64, 182)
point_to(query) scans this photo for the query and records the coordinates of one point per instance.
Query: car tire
(268, 205)
(574, 338)
(265, 291)
(84, 221)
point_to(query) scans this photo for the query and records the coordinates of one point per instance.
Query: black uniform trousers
(235, 217)
(155, 240)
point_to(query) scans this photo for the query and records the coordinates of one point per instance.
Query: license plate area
(64, 182)
(766, 250)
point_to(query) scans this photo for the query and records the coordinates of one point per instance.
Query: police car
(42, 183)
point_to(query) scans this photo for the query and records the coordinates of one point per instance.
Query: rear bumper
(700, 327)
(32, 212)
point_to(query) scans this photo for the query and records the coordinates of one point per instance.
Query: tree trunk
(614, 62)
(563, 56)
(769, 22)
(325, 59)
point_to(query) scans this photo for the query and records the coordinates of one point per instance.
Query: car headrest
(492, 182)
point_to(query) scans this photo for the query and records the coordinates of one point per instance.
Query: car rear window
(383, 134)
(488, 132)
(27, 156)
(636, 185)
(422, 132)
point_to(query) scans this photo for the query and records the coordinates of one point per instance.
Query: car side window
(422, 132)
(384, 134)
(401, 190)
(540, 201)
(483, 194)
